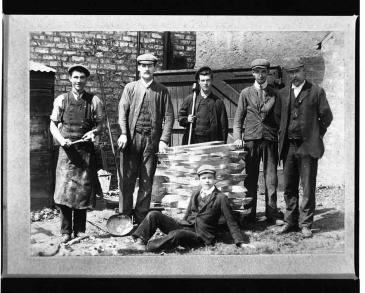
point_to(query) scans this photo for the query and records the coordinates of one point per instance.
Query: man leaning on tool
(304, 115)
(81, 114)
(210, 121)
(255, 110)
(146, 117)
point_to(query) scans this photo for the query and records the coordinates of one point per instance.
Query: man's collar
(76, 94)
(146, 84)
(297, 87)
(209, 191)
(204, 95)
(263, 86)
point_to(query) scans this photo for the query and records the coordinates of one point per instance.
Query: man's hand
(239, 143)
(66, 143)
(191, 118)
(162, 147)
(89, 136)
(122, 141)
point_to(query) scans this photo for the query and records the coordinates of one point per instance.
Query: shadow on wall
(314, 68)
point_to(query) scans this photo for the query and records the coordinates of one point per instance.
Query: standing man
(304, 114)
(255, 110)
(146, 117)
(210, 121)
(81, 114)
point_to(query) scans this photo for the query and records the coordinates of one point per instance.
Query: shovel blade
(119, 225)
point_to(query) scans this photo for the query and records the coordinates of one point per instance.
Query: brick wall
(113, 56)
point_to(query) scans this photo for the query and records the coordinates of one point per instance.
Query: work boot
(306, 232)
(80, 235)
(275, 221)
(65, 238)
(287, 228)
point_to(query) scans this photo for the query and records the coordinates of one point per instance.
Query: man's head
(296, 73)
(204, 76)
(78, 75)
(146, 66)
(260, 70)
(206, 175)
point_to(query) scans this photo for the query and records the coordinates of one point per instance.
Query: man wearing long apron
(146, 117)
(81, 115)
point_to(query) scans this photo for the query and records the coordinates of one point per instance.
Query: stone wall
(323, 57)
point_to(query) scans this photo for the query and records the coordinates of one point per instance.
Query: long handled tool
(192, 111)
(118, 224)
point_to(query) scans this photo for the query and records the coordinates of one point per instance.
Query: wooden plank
(41, 186)
(175, 78)
(41, 163)
(227, 90)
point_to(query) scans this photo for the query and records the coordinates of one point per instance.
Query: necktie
(261, 100)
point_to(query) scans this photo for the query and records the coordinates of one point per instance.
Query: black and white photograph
(180, 146)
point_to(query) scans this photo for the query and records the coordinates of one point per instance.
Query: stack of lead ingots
(179, 166)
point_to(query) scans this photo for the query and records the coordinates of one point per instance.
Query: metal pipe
(138, 52)
(166, 47)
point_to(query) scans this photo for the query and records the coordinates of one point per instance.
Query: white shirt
(146, 84)
(297, 89)
(204, 95)
(77, 95)
(204, 192)
(257, 85)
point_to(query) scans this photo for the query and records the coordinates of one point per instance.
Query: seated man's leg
(175, 238)
(153, 221)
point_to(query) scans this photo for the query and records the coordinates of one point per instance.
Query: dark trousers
(266, 150)
(79, 219)
(138, 160)
(202, 138)
(176, 234)
(304, 168)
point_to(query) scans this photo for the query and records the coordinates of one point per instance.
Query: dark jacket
(259, 121)
(314, 115)
(162, 112)
(206, 220)
(218, 117)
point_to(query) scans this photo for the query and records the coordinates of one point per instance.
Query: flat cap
(201, 69)
(79, 66)
(260, 63)
(206, 169)
(146, 59)
(295, 64)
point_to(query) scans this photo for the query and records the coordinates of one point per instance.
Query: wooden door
(227, 85)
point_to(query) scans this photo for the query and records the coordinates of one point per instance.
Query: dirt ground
(328, 233)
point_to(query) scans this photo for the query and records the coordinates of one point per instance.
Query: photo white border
(16, 179)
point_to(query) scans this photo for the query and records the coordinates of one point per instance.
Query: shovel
(119, 224)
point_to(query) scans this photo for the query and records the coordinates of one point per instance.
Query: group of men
(271, 125)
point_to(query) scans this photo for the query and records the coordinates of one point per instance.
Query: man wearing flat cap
(146, 117)
(199, 225)
(304, 115)
(255, 112)
(80, 115)
(210, 120)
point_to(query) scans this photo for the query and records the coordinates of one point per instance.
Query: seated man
(200, 221)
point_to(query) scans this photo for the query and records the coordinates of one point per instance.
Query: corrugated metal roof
(34, 66)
